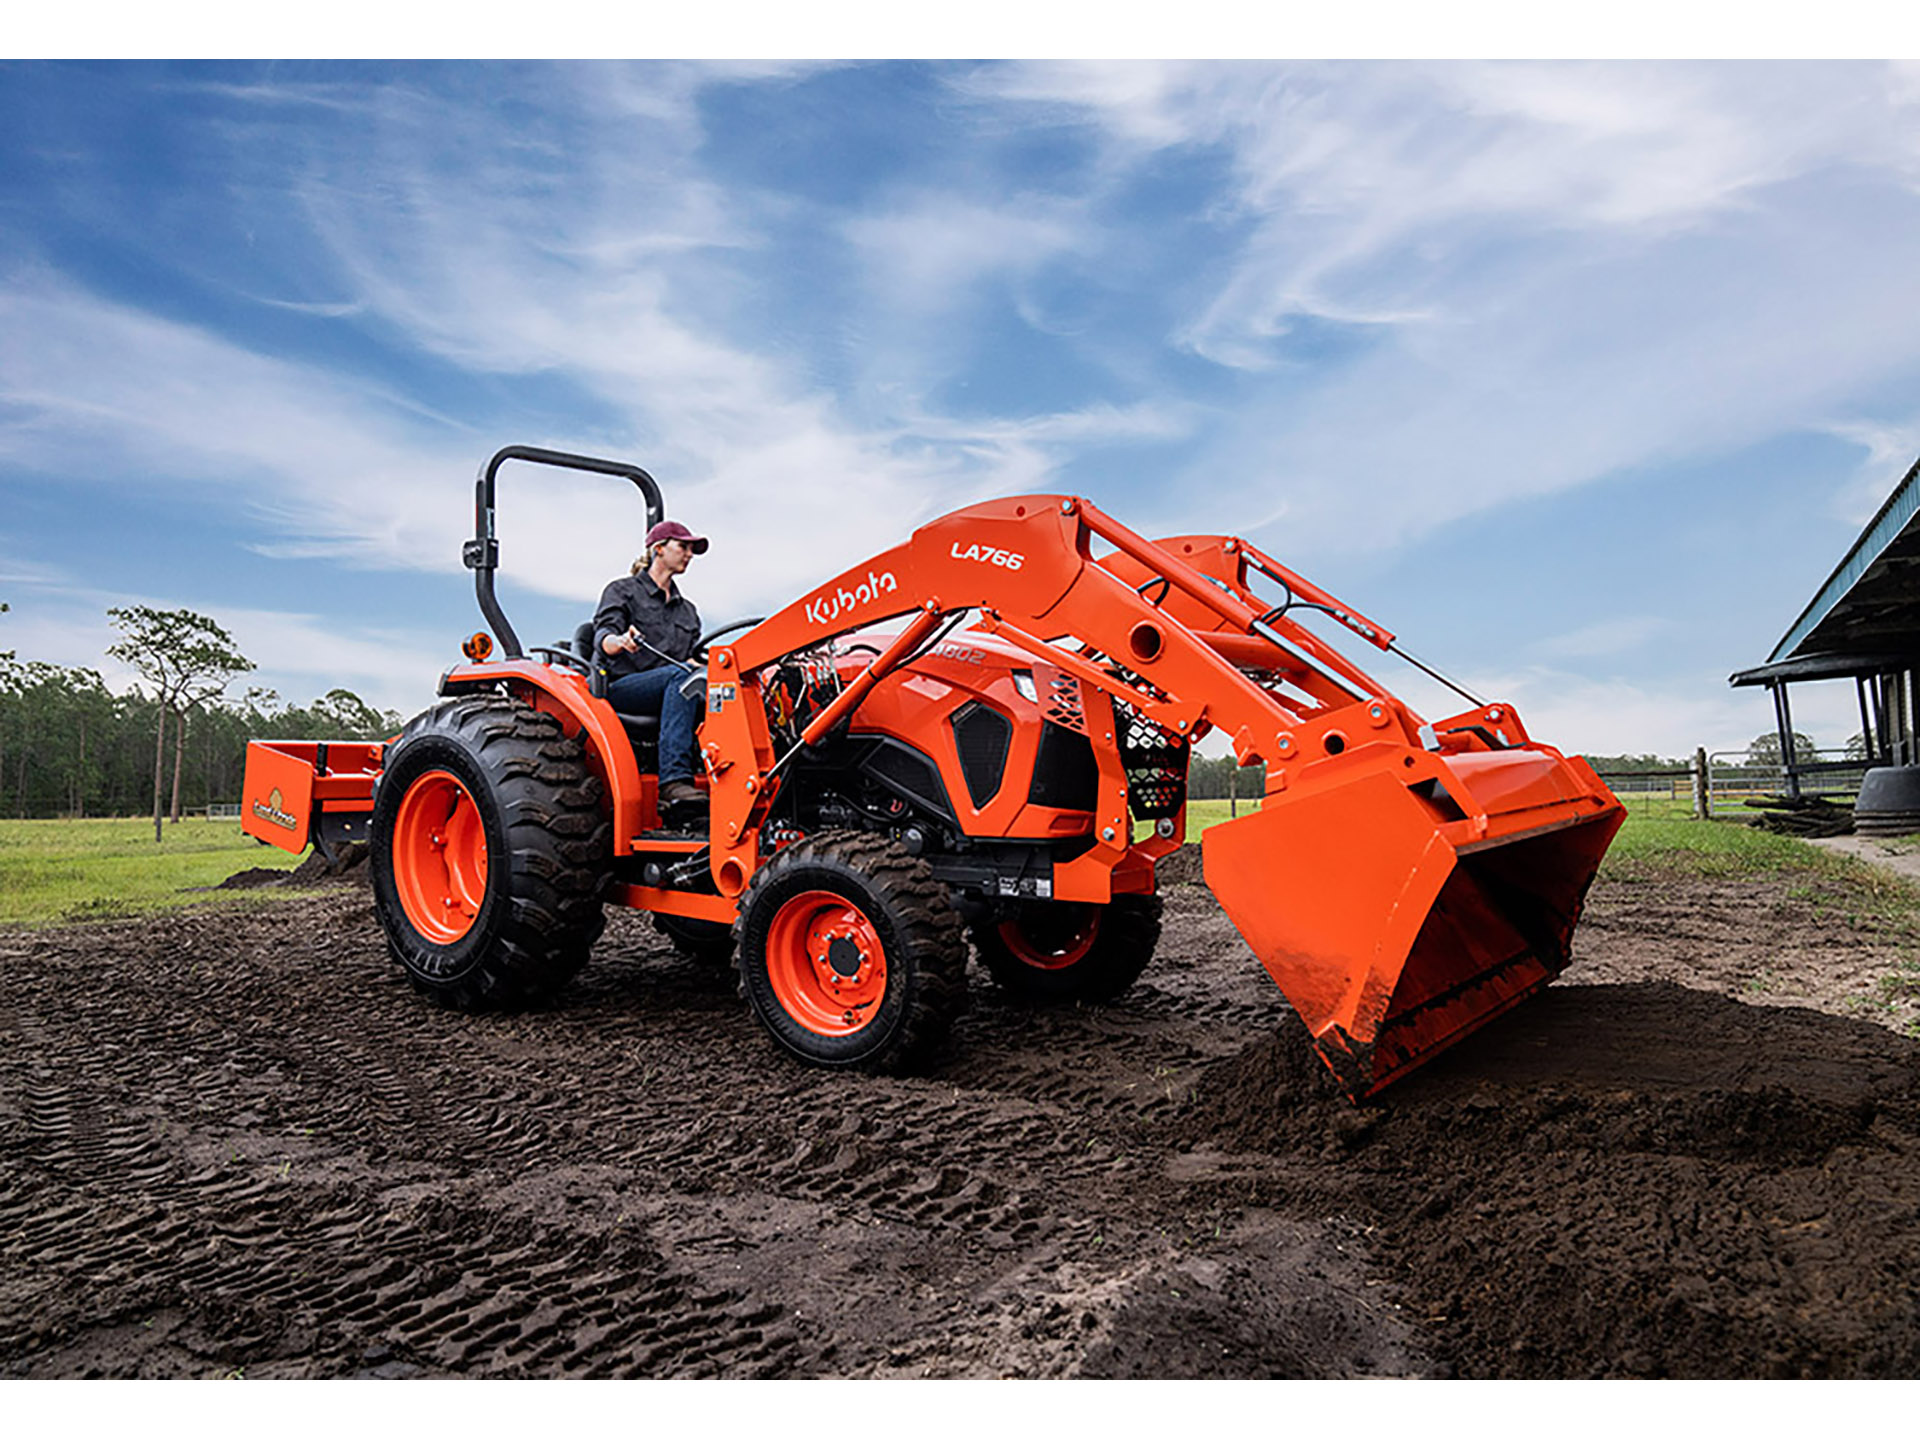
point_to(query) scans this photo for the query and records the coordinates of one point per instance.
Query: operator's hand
(623, 644)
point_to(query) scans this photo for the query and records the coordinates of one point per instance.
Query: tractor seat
(643, 731)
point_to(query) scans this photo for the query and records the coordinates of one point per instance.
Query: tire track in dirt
(453, 1286)
(319, 1174)
(234, 1240)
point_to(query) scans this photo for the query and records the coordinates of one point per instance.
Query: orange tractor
(1005, 766)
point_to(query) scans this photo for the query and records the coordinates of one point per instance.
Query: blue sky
(1581, 377)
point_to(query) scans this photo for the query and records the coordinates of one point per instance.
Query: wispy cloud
(1564, 271)
(1888, 450)
(927, 251)
(586, 250)
(1346, 170)
(330, 462)
(628, 288)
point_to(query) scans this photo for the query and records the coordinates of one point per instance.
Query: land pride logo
(270, 811)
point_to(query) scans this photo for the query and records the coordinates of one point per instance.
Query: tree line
(175, 742)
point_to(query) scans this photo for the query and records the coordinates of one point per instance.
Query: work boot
(681, 794)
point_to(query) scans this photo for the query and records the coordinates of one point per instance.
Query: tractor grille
(1065, 774)
(1156, 764)
(982, 737)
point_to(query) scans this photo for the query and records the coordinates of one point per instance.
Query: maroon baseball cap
(674, 530)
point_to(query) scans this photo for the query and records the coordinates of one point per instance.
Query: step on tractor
(977, 741)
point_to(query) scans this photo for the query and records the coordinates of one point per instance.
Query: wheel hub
(844, 957)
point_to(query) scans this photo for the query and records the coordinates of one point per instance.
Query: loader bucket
(1394, 921)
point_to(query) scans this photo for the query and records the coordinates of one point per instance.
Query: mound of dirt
(349, 864)
(253, 879)
(237, 1142)
(1182, 867)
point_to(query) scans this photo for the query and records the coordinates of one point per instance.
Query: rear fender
(564, 695)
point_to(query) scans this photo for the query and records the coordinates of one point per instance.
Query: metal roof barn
(1863, 624)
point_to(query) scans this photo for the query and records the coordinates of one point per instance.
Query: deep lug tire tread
(1129, 933)
(546, 876)
(926, 953)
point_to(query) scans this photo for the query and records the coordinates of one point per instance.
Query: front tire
(1050, 950)
(850, 953)
(489, 854)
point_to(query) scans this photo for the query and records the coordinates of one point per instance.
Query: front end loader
(980, 735)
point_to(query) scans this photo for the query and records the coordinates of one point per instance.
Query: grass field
(53, 871)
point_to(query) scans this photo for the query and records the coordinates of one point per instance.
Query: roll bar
(481, 554)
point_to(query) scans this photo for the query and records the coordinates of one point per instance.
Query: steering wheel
(700, 646)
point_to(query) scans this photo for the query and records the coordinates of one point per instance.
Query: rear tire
(1051, 950)
(850, 953)
(490, 852)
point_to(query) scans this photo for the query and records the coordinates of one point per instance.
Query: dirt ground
(232, 1141)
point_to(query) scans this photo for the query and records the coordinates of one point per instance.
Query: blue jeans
(657, 692)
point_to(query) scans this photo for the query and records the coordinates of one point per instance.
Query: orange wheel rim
(439, 857)
(826, 963)
(1053, 944)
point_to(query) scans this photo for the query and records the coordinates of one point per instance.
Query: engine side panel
(987, 715)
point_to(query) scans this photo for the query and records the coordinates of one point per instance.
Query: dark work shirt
(667, 622)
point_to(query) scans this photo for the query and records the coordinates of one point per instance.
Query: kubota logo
(270, 811)
(825, 607)
(987, 555)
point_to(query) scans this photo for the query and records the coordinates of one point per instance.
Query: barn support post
(1783, 717)
(1869, 733)
(1897, 691)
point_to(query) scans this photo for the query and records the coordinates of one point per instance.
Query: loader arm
(1026, 565)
